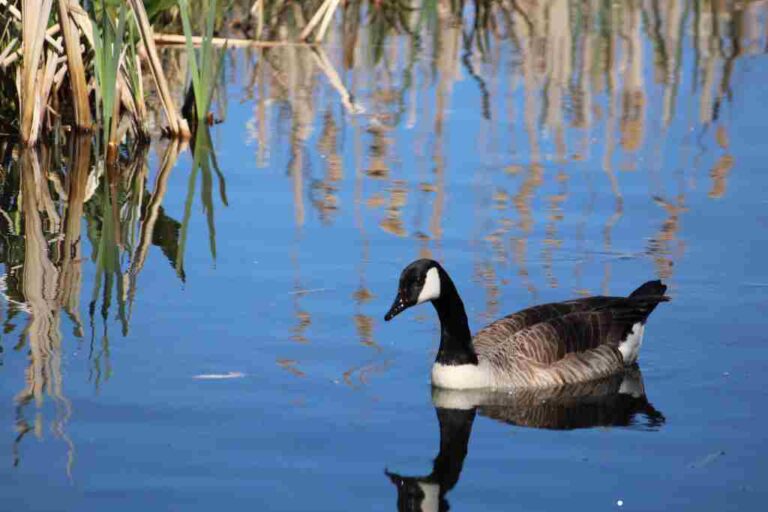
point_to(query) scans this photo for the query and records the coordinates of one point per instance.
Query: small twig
(7, 54)
(12, 9)
(174, 39)
(310, 290)
(48, 37)
(10, 60)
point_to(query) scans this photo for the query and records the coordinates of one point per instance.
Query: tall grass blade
(191, 54)
(108, 46)
(203, 73)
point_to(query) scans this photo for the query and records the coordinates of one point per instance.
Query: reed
(134, 81)
(203, 64)
(108, 46)
(176, 127)
(83, 119)
(34, 14)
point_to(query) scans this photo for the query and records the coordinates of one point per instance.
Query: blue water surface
(551, 166)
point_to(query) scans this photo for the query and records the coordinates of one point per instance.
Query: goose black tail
(651, 289)
(648, 296)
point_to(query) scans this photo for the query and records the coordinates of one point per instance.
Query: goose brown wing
(544, 312)
(505, 328)
(605, 321)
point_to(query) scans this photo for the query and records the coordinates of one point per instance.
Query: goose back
(565, 342)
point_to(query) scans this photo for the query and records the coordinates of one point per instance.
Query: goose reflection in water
(619, 401)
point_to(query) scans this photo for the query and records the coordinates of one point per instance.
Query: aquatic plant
(91, 54)
(34, 86)
(77, 80)
(108, 45)
(203, 64)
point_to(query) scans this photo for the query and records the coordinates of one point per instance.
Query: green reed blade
(203, 73)
(191, 54)
(108, 46)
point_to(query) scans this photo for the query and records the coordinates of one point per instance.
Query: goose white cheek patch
(431, 288)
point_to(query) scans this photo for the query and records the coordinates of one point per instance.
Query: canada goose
(546, 345)
(615, 401)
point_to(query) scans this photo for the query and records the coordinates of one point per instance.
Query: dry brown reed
(83, 118)
(34, 16)
(177, 125)
(41, 71)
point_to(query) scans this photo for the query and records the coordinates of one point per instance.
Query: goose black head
(419, 282)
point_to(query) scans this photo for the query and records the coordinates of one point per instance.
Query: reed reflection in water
(46, 194)
(561, 87)
(555, 89)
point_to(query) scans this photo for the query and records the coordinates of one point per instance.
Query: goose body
(546, 345)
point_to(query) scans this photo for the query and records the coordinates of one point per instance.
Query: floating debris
(219, 376)
(308, 290)
(707, 460)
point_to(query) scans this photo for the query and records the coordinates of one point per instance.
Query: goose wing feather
(543, 312)
(549, 332)
(539, 346)
(499, 332)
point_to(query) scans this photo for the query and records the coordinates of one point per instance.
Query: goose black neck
(455, 338)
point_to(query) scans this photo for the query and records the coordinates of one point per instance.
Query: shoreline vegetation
(85, 65)
(96, 65)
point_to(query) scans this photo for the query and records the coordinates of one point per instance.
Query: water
(222, 344)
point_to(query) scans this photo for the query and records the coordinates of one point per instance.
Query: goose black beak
(395, 478)
(398, 307)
